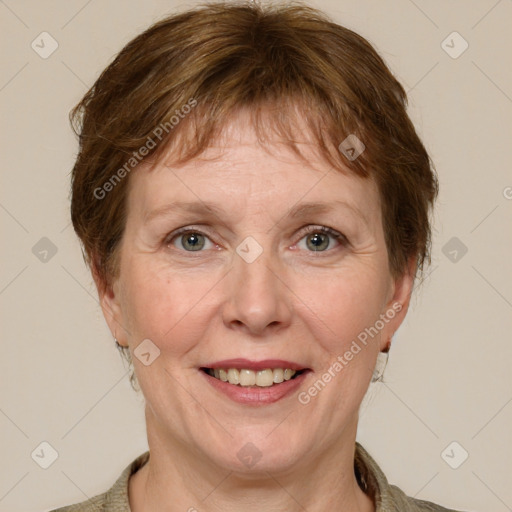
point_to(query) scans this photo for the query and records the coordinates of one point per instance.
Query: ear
(108, 294)
(397, 305)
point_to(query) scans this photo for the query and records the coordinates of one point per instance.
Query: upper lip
(255, 365)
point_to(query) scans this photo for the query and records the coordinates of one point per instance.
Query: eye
(190, 240)
(319, 238)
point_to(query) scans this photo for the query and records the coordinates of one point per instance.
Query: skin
(291, 303)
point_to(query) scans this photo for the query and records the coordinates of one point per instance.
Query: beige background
(449, 375)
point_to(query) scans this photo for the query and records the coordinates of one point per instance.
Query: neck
(175, 477)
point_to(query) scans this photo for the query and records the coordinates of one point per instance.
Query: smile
(246, 377)
(252, 382)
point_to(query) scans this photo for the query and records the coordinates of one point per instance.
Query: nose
(258, 300)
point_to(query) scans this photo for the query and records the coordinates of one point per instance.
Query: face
(250, 260)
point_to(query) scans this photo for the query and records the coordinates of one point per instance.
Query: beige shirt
(387, 498)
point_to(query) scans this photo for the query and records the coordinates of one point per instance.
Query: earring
(380, 366)
(118, 345)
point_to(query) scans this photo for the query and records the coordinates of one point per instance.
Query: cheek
(340, 307)
(165, 306)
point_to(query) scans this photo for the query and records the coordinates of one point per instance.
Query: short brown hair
(288, 59)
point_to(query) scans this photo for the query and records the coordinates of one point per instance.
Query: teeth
(245, 377)
(264, 378)
(233, 376)
(278, 375)
(288, 374)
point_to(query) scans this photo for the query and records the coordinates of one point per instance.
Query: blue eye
(318, 239)
(190, 240)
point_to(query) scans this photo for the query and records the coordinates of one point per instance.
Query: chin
(254, 463)
(256, 455)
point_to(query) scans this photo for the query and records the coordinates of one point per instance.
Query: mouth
(255, 383)
(245, 377)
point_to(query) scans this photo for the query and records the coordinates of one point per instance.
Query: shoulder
(387, 497)
(400, 501)
(113, 500)
(95, 504)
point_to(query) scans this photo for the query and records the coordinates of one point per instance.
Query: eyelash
(339, 237)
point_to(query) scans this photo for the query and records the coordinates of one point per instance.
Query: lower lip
(255, 395)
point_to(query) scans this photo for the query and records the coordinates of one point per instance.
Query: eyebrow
(205, 208)
(200, 208)
(305, 209)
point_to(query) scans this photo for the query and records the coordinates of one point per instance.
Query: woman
(253, 202)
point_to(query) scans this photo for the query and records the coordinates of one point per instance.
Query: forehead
(240, 171)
